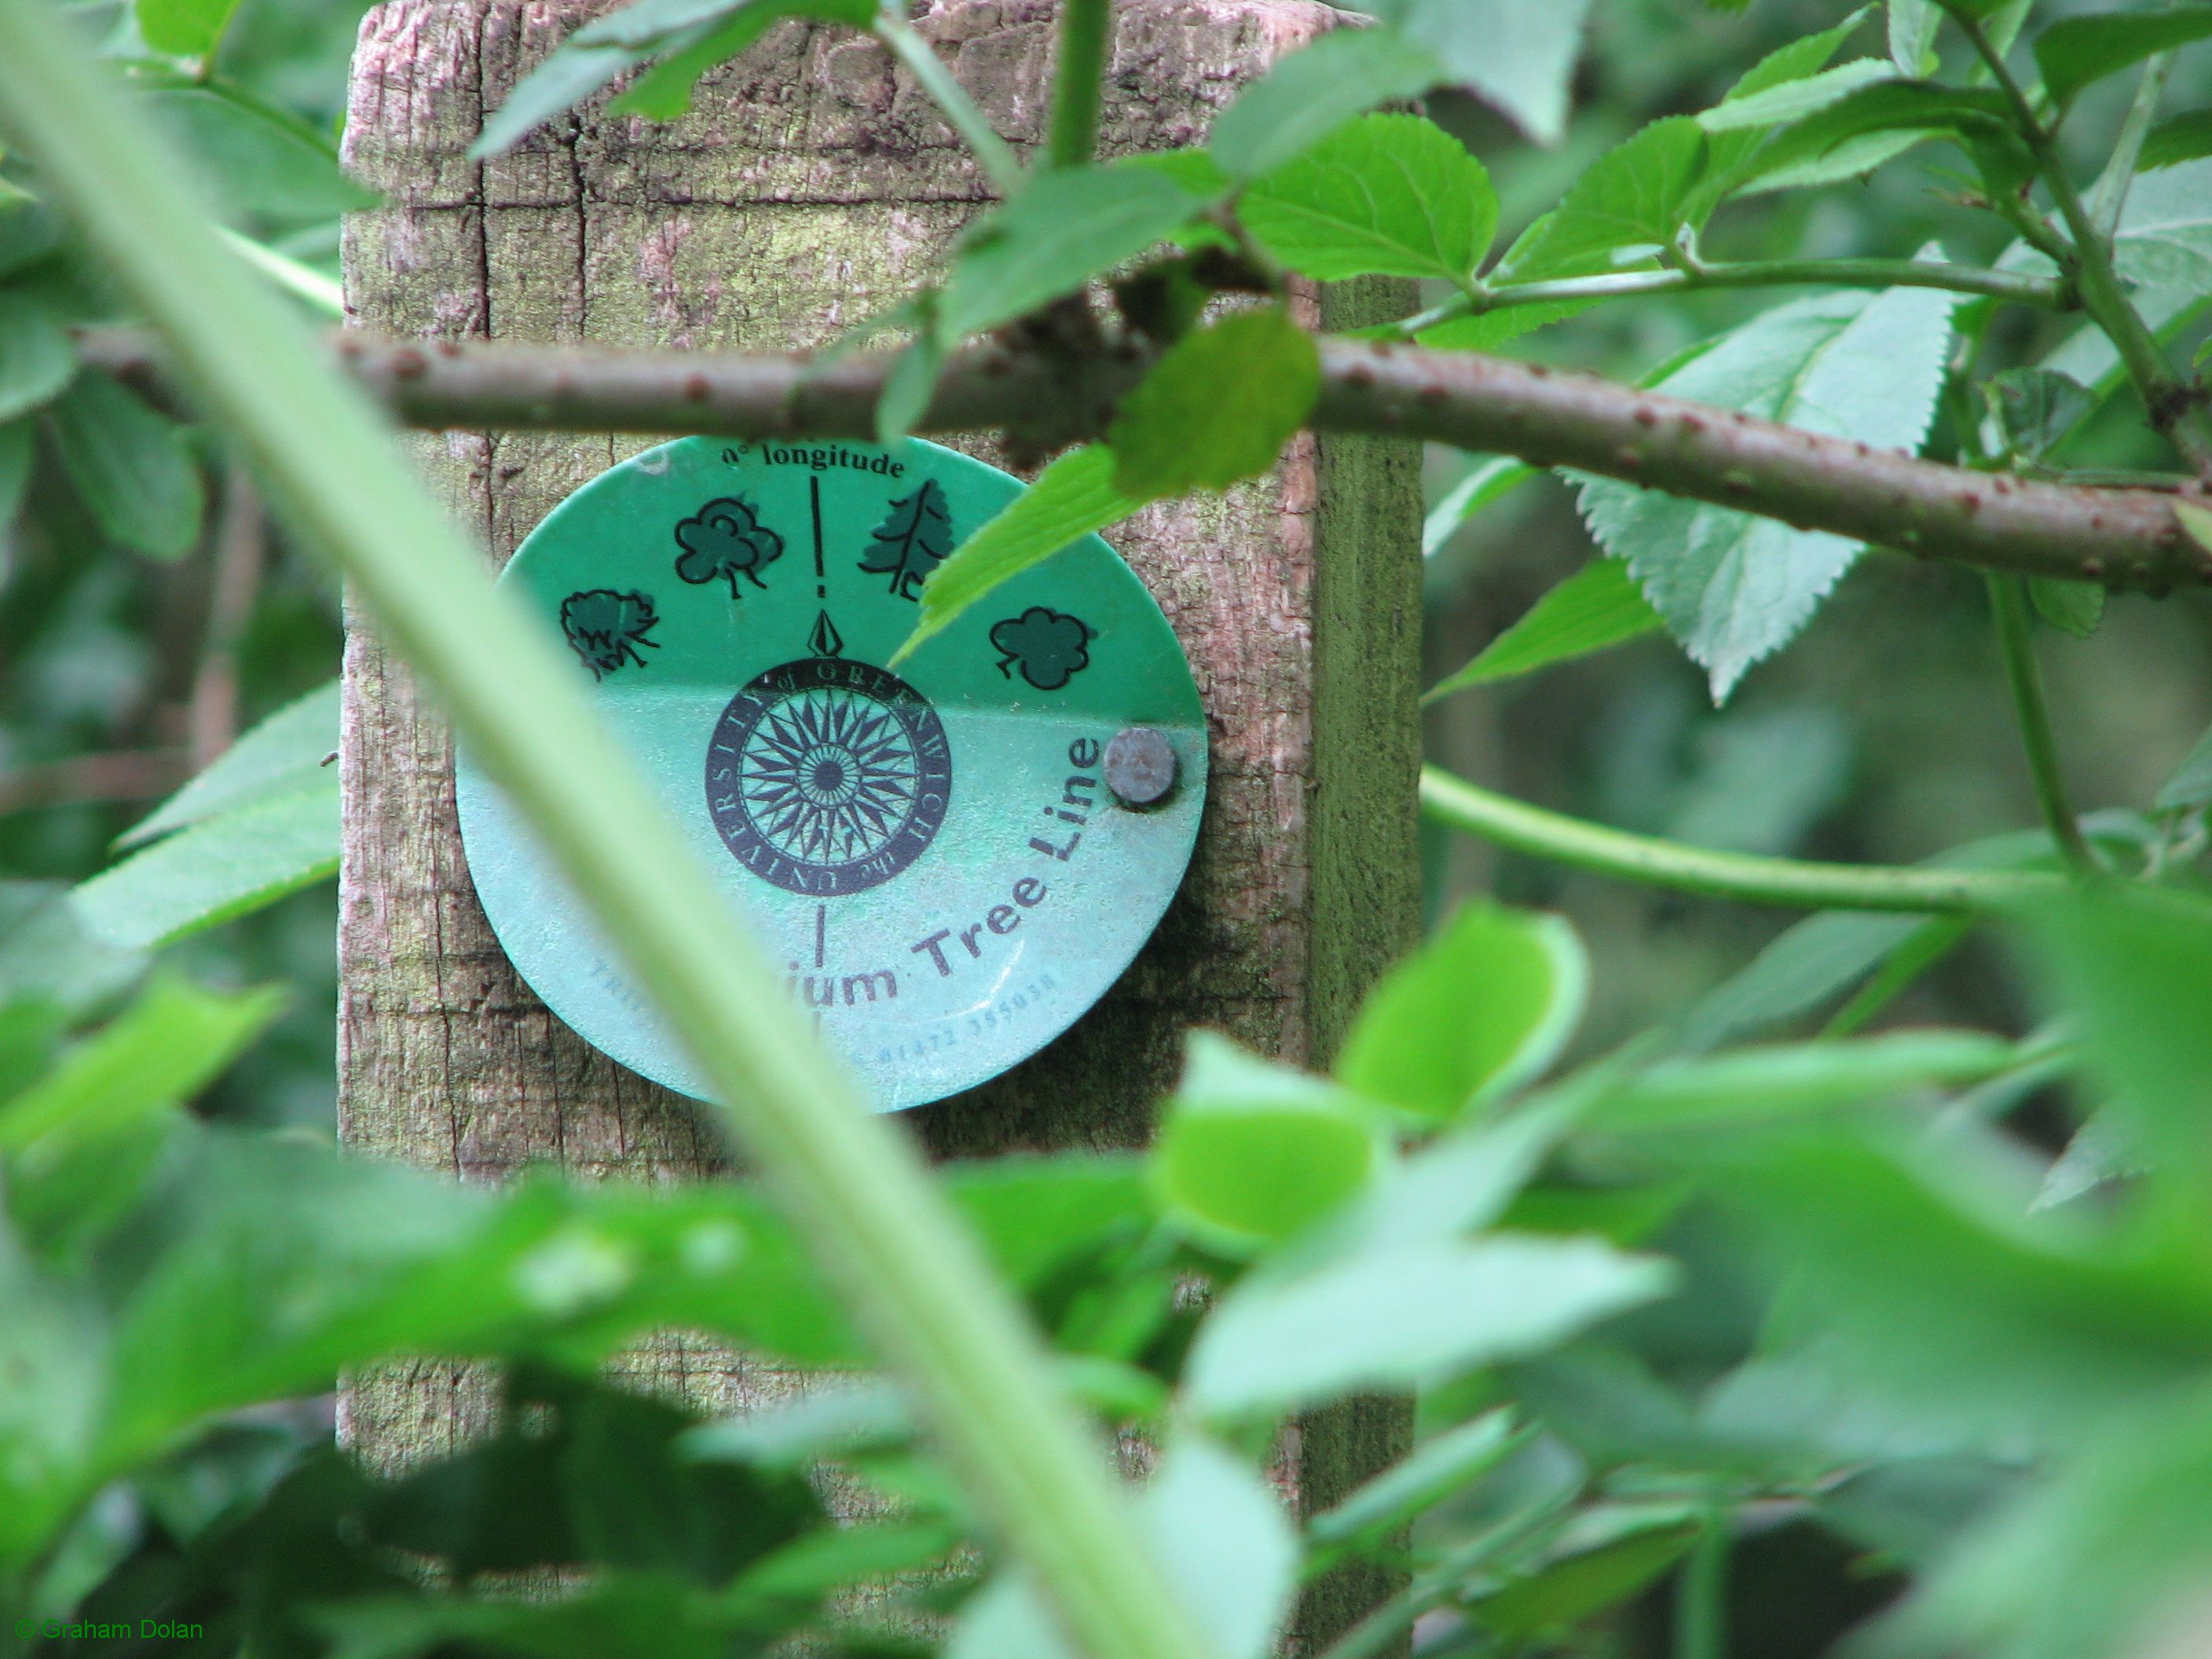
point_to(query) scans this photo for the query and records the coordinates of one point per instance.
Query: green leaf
(184, 28)
(1310, 93)
(282, 755)
(2076, 51)
(1067, 226)
(36, 362)
(1072, 498)
(17, 446)
(1386, 195)
(2108, 1554)
(1435, 1469)
(1735, 588)
(2073, 608)
(258, 160)
(2137, 973)
(1628, 204)
(1494, 478)
(567, 77)
(1888, 108)
(1803, 967)
(2164, 235)
(696, 35)
(170, 1045)
(214, 871)
(1793, 101)
(2190, 785)
(1750, 1085)
(1599, 606)
(1217, 408)
(130, 466)
(2035, 409)
(1605, 1554)
(2184, 138)
(1516, 57)
(1912, 27)
(1220, 1533)
(1429, 1041)
(1404, 1318)
(1250, 1150)
(1852, 159)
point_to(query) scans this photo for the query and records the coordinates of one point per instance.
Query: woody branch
(2121, 538)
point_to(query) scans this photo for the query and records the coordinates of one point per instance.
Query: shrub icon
(725, 539)
(1050, 647)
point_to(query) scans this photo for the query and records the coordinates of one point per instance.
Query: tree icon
(912, 540)
(725, 539)
(1050, 647)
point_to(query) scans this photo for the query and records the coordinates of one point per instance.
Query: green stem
(912, 1276)
(1701, 1596)
(1743, 877)
(2165, 399)
(2109, 195)
(999, 163)
(1087, 28)
(2013, 286)
(2009, 605)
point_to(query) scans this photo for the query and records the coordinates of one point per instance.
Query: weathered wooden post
(813, 182)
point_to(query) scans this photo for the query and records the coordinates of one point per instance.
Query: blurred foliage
(1759, 1281)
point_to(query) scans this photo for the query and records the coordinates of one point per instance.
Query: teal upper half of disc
(930, 852)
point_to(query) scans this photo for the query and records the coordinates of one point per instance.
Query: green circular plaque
(935, 852)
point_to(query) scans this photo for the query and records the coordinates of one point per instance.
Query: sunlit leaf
(1483, 1007)
(1310, 93)
(1735, 588)
(1391, 195)
(284, 754)
(216, 871)
(1600, 605)
(1217, 408)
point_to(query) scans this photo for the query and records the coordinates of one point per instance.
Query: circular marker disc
(932, 851)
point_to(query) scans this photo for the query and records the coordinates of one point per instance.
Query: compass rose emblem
(828, 776)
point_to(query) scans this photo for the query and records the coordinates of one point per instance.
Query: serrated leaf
(2164, 240)
(214, 871)
(1600, 605)
(1406, 1317)
(1727, 152)
(1626, 205)
(1310, 93)
(1067, 226)
(129, 466)
(1852, 159)
(1888, 108)
(1385, 195)
(1421, 1043)
(1735, 588)
(1793, 101)
(282, 755)
(1518, 57)
(2076, 51)
(184, 28)
(2073, 608)
(36, 360)
(1217, 408)
(1072, 498)
(1250, 1150)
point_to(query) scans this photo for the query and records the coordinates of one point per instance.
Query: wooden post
(811, 185)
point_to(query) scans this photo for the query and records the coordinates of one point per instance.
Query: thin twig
(240, 538)
(2009, 606)
(2013, 286)
(1747, 878)
(2108, 197)
(123, 774)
